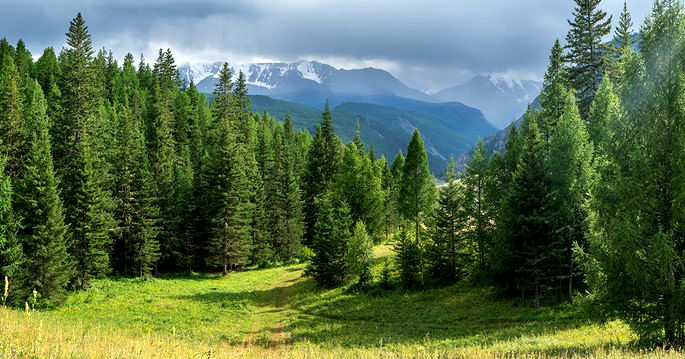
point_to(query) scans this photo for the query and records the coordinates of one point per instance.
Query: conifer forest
(148, 213)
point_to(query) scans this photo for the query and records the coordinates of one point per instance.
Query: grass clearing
(279, 313)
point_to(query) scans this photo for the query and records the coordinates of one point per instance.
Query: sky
(428, 44)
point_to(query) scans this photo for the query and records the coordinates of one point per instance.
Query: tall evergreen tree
(329, 266)
(417, 187)
(623, 34)
(477, 205)
(11, 255)
(571, 173)
(636, 241)
(12, 127)
(323, 161)
(446, 250)
(587, 50)
(553, 92)
(48, 267)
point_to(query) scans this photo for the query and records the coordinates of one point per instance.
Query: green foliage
(409, 260)
(417, 187)
(11, 256)
(447, 250)
(47, 267)
(330, 266)
(479, 208)
(587, 50)
(360, 255)
(635, 255)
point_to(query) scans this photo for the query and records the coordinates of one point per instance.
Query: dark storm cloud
(428, 44)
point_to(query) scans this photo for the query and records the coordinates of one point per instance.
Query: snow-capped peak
(308, 71)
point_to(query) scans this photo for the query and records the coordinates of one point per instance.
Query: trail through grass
(280, 313)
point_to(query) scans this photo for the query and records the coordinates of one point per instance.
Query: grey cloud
(432, 43)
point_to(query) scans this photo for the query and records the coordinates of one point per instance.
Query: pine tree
(636, 241)
(360, 254)
(11, 255)
(477, 204)
(285, 204)
(571, 174)
(553, 91)
(528, 243)
(623, 36)
(447, 246)
(12, 128)
(323, 161)
(417, 187)
(604, 115)
(24, 62)
(587, 50)
(228, 197)
(90, 219)
(48, 267)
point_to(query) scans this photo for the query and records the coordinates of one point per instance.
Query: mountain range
(387, 109)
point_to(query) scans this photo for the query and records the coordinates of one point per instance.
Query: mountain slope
(502, 99)
(451, 129)
(306, 82)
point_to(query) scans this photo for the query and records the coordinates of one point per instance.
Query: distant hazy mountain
(496, 142)
(446, 128)
(502, 99)
(306, 82)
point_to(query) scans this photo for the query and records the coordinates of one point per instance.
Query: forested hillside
(112, 172)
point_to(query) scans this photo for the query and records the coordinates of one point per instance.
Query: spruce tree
(48, 267)
(228, 197)
(587, 50)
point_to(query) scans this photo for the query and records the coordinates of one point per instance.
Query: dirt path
(269, 319)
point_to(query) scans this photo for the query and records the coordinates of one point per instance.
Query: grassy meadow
(281, 313)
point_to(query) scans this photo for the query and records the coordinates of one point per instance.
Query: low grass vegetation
(280, 312)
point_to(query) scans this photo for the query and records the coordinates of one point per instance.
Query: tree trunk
(225, 269)
(669, 321)
(536, 299)
(570, 282)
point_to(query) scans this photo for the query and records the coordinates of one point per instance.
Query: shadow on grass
(455, 316)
